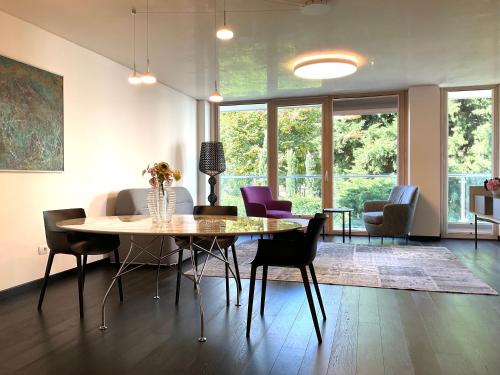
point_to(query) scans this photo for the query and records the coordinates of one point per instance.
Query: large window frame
(327, 103)
(468, 229)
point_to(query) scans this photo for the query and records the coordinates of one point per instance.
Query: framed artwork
(31, 118)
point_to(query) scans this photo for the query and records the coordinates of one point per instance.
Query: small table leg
(349, 225)
(323, 229)
(343, 227)
(475, 232)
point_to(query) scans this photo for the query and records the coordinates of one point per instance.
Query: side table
(343, 211)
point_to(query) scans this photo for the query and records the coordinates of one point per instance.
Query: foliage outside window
(299, 157)
(243, 132)
(365, 160)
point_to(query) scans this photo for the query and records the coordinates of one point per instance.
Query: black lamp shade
(212, 160)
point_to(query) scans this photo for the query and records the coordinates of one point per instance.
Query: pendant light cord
(224, 13)
(133, 15)
(147, 35)
(215, 42)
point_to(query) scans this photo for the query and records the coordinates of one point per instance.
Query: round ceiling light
(325, 67)
(225, 34)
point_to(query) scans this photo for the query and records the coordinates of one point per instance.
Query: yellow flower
(163, 167)
(177, 175)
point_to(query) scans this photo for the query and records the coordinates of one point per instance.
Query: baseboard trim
(425, 238)
(37, 284)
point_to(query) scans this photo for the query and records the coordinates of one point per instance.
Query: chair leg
(407, 237)
(236, 268)
(311, 302)
(80, 283)
(45, 279)
(179, 271)
(369, 238)
(263, 292)
(119, 279)
(253, 274)
(316, 287)
(84, 266)
(227, 278)
(381, 240)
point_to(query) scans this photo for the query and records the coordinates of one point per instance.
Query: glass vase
(161, 202)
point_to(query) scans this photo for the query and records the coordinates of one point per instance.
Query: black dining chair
(296, 251)
(225, 243)
(78, 244)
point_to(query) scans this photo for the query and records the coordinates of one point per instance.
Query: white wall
(111, 132)
(425, 157)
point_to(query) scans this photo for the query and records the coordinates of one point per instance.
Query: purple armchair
(259, 202)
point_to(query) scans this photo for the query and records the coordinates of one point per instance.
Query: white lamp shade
(134, 79)
(215, 97)
(225, 34)
(148, 78)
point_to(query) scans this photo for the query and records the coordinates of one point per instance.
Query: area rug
(434, 269)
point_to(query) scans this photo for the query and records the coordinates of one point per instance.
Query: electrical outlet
(43, 249)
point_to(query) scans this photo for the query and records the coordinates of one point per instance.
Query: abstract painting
(31, 118)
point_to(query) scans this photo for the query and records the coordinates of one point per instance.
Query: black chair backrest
(216, 210)
(57, 238)
(312, 236)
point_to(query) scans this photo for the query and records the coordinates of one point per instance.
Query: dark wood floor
(368, 331)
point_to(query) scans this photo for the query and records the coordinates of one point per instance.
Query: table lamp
(212, 163)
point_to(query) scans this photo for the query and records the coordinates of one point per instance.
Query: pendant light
(147, 77)
(215, 97)
(224, 33)
(134, 79)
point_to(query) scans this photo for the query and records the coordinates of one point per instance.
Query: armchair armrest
(397, 218)
(279, 205)
(255, 209)
(373, 206)
(398, 210)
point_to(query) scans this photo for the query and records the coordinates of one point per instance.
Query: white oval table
(180, 227)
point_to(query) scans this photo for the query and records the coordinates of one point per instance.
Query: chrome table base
(197, 276)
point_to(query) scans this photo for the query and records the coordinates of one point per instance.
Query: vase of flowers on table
(161, 198)
(493, 185)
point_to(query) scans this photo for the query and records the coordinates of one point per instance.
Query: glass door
(243, 132)
(365, 152)
(469, 157)
(299, 149)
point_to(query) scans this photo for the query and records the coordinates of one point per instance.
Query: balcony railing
(346, 189)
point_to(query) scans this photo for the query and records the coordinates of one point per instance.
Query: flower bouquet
(161, 198)
(493, 185)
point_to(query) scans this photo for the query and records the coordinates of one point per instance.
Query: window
(243, 132)
(365, 152)
(469, 152)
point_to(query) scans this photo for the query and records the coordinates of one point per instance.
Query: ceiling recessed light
(325, 67)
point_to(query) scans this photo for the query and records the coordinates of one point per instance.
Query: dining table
(187, 230)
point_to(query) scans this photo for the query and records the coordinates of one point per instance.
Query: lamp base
(212, 198)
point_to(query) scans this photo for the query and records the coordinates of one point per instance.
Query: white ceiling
(405, 42)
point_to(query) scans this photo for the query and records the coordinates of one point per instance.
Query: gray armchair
(394, 217)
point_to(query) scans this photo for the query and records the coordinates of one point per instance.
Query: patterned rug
(434, 269)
